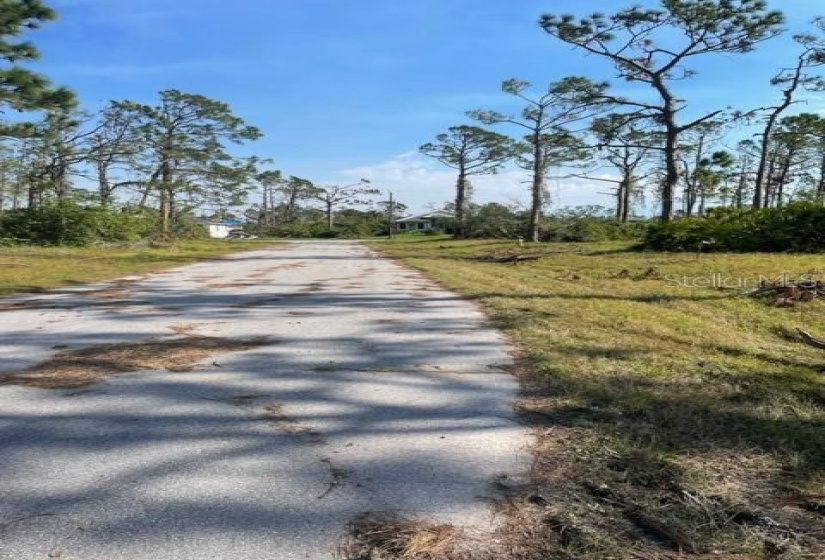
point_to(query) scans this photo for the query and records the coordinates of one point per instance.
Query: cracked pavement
(377, 390)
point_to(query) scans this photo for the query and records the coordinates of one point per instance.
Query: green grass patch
(28, 269)
(674, 412)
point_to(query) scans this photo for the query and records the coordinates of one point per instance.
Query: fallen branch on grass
(515, 259)
(811, 340)
(678, 539)
(787, 294)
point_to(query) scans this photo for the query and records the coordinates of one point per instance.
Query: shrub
(579, 229)
(798, 227)
(69, 223)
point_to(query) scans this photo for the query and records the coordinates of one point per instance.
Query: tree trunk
(329, 214)
(537, 191)
(460, 204)
(759, 196)
(264, 203)
(671, 150)
(292, 202)
(671, 181)
(104, 187)
(763, 172)
(167, 178)
(4, 184)
(770, 184)
(741, 186)
(620, 201)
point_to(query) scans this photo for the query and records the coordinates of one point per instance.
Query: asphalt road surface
(376, 390)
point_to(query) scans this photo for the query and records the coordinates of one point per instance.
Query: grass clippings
(674, 415)
(78, 368)
(385, 536)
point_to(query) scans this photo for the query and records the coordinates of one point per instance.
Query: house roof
(439, 214)
(228, 222)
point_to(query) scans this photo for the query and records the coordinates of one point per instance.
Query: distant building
(438, 220)
(219, 229)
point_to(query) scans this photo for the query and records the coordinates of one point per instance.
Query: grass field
(27, 269)
(675, 416)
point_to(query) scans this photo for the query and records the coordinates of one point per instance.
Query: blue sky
(350, 89)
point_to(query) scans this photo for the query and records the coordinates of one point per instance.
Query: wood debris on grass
(78, 368)
(788, 294)
(511, 256)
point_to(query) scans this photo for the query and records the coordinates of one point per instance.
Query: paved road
(378, 390)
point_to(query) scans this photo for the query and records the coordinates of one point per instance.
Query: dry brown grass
(382, 536)
(674, 418)
(32, 269)
(86, 366)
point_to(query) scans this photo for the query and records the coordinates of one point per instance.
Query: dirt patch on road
(314, 287)
(222, 285)
(77, 368)
(278, 419)
(184, 328)
(383, 536)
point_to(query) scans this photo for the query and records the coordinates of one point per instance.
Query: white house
(424, 222)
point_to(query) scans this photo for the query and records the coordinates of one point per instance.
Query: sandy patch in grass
(77, 368)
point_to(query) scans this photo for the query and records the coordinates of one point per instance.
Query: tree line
(166, 159)
(646, 144)
(174, 156)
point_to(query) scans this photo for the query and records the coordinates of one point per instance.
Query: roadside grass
(32, 269)
(675, 417)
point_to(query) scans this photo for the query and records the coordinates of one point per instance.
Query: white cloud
(422, 183)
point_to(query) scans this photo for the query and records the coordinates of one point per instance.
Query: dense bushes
(588, 223)
(73, 224)
(492, 221)
(590, 229)
(797, 227)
